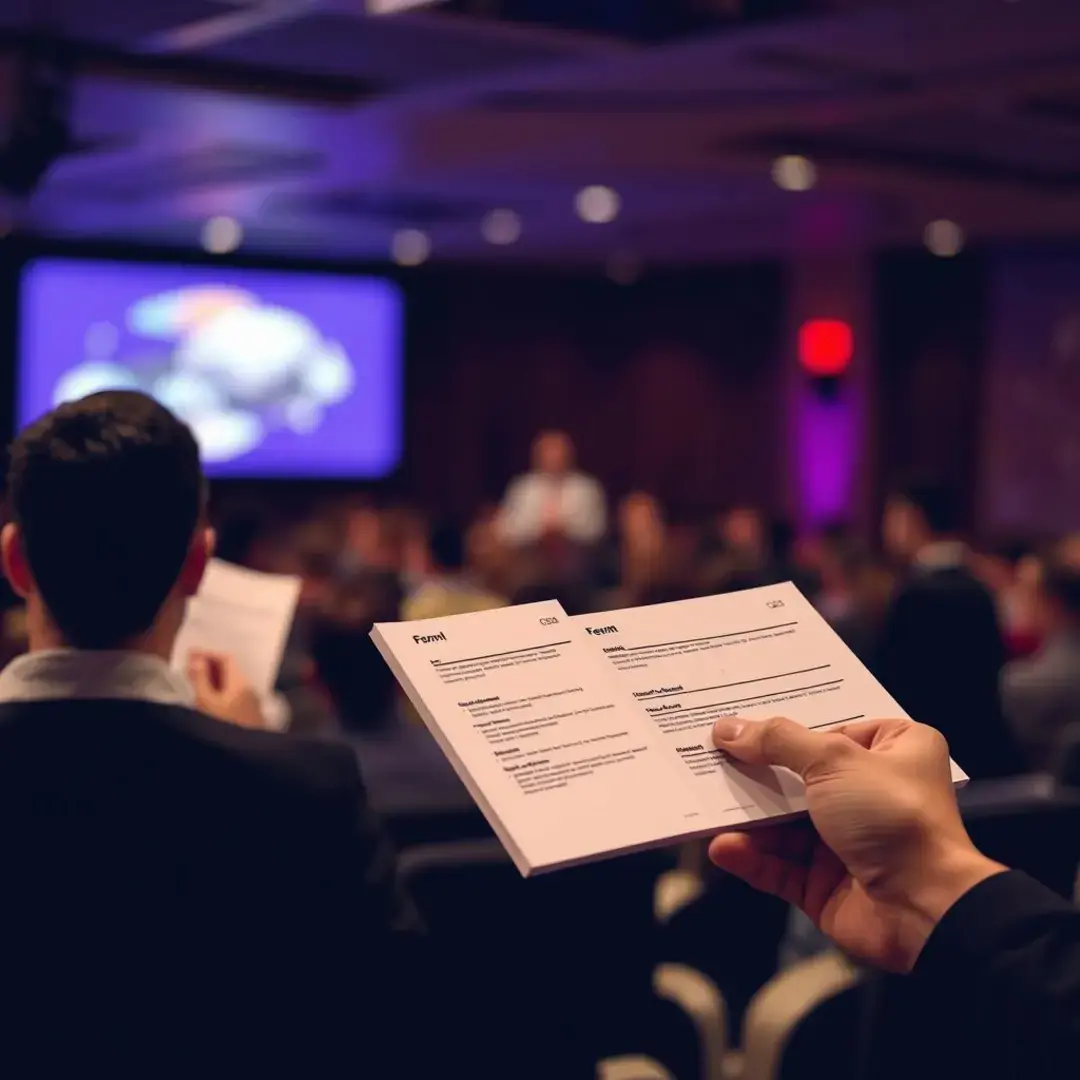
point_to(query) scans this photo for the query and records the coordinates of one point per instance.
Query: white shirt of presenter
(553, 498)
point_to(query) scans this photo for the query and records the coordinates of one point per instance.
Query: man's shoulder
(317, 763)
(1023, 676)
(305, 765)
(953, 581)
(1051, 672)
(586, 481)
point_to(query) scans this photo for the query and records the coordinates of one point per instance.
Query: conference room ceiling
(324, 130)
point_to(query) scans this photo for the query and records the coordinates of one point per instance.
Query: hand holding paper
(221, 690)
(589, 736)
(245, 616)
(887, 853)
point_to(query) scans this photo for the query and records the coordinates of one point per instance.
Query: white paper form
(243, 613)
(558, 756)
(758, 653)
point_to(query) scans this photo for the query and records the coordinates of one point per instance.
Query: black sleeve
(1010, 949)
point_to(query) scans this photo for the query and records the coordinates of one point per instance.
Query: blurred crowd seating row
(621, 959)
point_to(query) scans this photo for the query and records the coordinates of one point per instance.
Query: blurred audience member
(171, 880)
(1068, 549)
(642, 543)
(447, 588)
(781, 562)
(407, 544)
(765, 555)
(711, 567)
(808, 549)
(366, 543)
(742, 551)
(307, 550)
(941, 652)
(1010, 572)
(575, 601)
(488, 561)
(403, 768)
(314, 545)
(1041, 694)
(744, 534)
(844, 595)
(554, 500)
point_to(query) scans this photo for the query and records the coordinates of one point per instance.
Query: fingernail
(727, 730)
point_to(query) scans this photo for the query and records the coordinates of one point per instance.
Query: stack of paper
(590, 736)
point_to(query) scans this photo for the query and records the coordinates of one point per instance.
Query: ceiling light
(220, 235)
(410, 247)
(793, 172)
(394, 7)
(598, 205)
(944, 238)
(501, 227)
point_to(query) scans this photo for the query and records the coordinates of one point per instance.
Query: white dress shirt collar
(942, 555)
(84, 674)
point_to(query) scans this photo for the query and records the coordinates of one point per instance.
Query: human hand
(885, 854)
(222, 691)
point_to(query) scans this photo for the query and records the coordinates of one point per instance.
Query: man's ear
(199, 554)
(16, 568)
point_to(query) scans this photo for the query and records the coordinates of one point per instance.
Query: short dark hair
(782, 537)
(107, 492)
(1062, 582)
(1012, 551)
(938, 503)
(448, 546)
(349, 666)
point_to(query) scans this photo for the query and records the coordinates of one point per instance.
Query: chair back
(565, 956)
(803, 1022)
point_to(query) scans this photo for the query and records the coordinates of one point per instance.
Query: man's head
(107, 536)
(347, 663)
(448, 548)
(640, 515)
(742, 529)
(553, 453)
(917, 515)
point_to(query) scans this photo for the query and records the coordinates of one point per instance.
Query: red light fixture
(826, 347)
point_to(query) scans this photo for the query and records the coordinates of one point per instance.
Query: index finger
(773, 860)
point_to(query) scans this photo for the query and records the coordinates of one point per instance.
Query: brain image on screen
(234, 367)
(282, 374)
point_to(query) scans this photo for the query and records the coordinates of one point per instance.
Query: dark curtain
(670, 385)
(931, 349)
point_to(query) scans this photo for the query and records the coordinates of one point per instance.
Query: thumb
(777, 741)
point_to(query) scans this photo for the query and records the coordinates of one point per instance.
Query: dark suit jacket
(182, 897)
(940, 655)
(995, 993)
